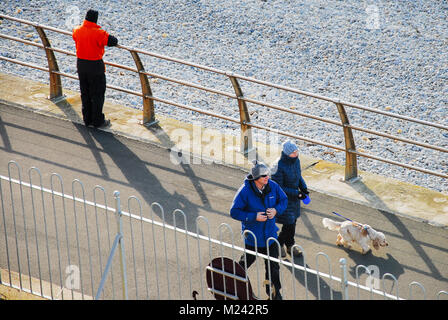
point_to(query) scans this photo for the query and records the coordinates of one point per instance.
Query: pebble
(389, 55)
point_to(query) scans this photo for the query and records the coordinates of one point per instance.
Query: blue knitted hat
(289, 147)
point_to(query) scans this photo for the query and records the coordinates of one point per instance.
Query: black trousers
(274, 267)
(286, 236)
(93, 88)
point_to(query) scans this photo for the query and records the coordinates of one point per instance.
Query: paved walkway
(137, 161)
(372, 190)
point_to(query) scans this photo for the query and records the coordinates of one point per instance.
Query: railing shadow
(135, 170)
(391, 265)
(4, 136)
(319, 288)
(166, 141)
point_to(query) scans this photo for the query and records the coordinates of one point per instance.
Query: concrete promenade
(137, 161)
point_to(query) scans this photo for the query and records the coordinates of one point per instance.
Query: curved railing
(351, 152)
(142, 233)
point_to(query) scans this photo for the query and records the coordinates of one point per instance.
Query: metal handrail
(351, 167)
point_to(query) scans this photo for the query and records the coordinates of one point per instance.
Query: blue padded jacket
(248, 201)
(288, 175)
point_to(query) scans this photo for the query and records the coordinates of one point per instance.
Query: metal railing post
(440, 293)
(117, 240)
(246, 130)
(415, 283)
(351, 162)
(318, 276)
(122, 253)
(55, 79)
(148, 104)
(344, 284)
(395, 284)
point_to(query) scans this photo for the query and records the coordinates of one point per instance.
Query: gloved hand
(305, 191)
(112, 41)
(301, 195)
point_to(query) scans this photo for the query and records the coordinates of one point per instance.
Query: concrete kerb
(41, 290)
(372, 190)
(9, 293)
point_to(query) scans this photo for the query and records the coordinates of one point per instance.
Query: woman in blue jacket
(257, 203)
(288, 174)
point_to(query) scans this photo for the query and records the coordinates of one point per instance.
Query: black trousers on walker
(274, 266)
(93, 88)
(286, 236)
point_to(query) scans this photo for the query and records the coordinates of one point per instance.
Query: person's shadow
(136, 171)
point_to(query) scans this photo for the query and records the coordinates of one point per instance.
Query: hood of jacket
(249, 182)
(284, 157)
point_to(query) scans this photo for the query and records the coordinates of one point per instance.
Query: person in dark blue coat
(288, 174)
(257, 204)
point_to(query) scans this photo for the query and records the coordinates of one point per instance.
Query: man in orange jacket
(90, 41)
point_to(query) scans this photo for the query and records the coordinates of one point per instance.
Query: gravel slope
(390, 55)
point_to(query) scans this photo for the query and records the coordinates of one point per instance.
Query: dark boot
(278, 296)
(283, 252)
(272, 292)
(296, 253)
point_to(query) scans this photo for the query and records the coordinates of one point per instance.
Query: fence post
(415, 283)
(246, 131)
(440, 293)
(318, 277)
(148, 104)
(117, 240)
(122, 253)
(351, 162)
(55, 79)
(395, 283)
(344, 283)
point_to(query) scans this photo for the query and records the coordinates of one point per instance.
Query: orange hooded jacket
(90, 41)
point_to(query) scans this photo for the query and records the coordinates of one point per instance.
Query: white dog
(355, 232)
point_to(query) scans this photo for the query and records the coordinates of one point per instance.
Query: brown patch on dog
(364, 232)
(376, 244)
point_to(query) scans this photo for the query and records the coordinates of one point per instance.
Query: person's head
(290, 149)
(259, 173)
(92, 16)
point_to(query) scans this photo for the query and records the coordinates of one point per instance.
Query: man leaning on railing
(90, 41)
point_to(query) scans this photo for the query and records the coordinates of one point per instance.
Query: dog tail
(331, 224)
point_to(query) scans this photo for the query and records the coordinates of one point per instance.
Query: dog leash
(342, 216)
(356, 223)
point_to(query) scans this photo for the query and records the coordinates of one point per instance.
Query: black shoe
(105, 124)
(278, 296)
(295, 252)
(270, 290)
(283, 252)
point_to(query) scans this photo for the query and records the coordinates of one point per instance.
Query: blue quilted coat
(248, 201)
(288, 175)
